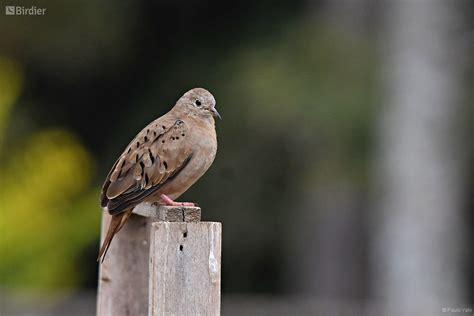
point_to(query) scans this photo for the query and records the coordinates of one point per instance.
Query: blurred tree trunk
(420, 228)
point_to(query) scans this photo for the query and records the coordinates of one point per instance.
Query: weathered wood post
(163, 262)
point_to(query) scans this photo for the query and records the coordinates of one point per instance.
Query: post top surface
(169, 213)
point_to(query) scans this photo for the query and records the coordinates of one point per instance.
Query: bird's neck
(206, 120)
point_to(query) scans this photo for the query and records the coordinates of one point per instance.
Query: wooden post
(164, 261)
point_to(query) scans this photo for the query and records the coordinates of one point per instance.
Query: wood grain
(185, 268)
(169, 213)
(123, 276)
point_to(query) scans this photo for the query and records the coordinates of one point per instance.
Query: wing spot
(146, 179)
(138, 144)
(146, 139)
(177, 137)
(172, 138)
(183, 134)
(151, 156)
(163, 141)
(165, 164)
(136, 158)
(164, 127)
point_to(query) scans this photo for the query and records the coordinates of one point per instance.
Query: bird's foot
(168, 201)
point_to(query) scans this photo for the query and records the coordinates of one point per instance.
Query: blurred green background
(297, 86)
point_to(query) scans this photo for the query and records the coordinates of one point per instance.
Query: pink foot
(168, 201)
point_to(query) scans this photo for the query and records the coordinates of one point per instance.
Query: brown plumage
(162, 161)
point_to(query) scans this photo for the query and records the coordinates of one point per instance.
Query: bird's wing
(156, 155)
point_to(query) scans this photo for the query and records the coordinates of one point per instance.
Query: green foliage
(11, 80)
(311, 85)
(46, 204)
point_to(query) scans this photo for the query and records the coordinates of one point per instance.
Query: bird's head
(199, 102)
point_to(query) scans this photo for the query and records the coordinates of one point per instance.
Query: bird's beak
(215, 113)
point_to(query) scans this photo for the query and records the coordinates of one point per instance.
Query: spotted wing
(157, 154)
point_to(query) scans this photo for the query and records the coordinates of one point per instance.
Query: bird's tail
(116, 223)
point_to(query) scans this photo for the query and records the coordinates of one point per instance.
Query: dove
(166, 158)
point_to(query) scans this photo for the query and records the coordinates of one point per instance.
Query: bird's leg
(168, 201)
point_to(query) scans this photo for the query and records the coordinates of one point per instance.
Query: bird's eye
(198, 103)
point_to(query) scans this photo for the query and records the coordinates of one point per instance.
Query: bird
(163, 160)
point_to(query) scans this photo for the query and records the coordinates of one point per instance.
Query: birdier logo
(17, 10)
(10, 10)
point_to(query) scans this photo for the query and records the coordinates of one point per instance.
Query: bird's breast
(204, 147)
